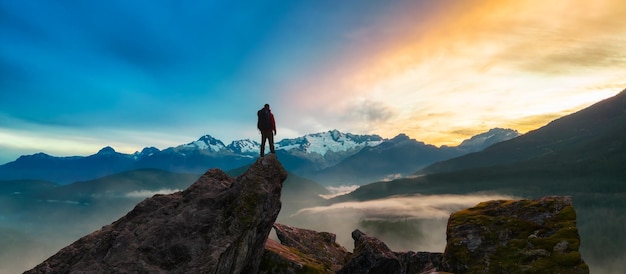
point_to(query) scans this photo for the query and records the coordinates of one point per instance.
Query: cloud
(424, 216)
(489, 63)
(150, 193)
(338, 190)
(415, 206)
(365, 114)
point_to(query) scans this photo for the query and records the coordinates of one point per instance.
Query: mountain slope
(401, 156)
(42, 166)
(582, 155)
(393, 158)
(578, 139)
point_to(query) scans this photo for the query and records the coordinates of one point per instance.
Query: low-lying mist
(416, 222)
(35, 230)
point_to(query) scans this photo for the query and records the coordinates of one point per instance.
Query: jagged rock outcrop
(281, 259)
(371, 256)
(524, 236)
(420, 262)
(315, 251)
(217, 225)
(505, 236)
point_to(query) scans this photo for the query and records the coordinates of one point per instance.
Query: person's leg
(270, 138)
(263, 138)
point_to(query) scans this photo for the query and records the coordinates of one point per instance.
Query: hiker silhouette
(267, 125)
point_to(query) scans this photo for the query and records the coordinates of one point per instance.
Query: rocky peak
(106, 151)
(320, 246)
(217, 225)
(371, 256)
(244, 146)
(485, 139)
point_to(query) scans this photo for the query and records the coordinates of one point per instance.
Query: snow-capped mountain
(310, 155)
(206, 142)
(245, 146)
(483, 140)
(145, 152)
(330, 141)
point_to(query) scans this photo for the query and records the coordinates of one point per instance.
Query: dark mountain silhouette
(582, 155)
(590, 140)
(19, 187)
(393, 158)
(124, 185)
(582, 148)
(305, 156)
(65, 169)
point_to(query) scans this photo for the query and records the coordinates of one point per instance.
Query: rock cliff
(302, 251)
(217, 225)
(221, 224)
(505, 236)
(525, 236)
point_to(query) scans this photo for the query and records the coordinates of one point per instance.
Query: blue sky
(79, 75)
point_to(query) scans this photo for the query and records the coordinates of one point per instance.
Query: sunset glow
(130, 75)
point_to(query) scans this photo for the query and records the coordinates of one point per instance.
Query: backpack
(265, 122)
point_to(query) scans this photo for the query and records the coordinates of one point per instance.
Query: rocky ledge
(525, 236)
(217, 225)
(504, 236)
(221, 224)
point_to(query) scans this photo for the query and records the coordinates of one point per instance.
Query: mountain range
(332, 158)
(582, 155)
(581, 149)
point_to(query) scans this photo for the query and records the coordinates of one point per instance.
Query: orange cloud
(483, 64)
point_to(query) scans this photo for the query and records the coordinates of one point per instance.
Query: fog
(416, 222)
(32, 232)
(338, 191)
(149, 193)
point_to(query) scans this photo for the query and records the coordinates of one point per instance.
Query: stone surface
(420, 262)
(371, 256)
(218, 225)
(515, 236)
(281, 259)
(302, 251)
(320, 246)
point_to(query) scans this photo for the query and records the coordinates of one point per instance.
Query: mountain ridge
(304, 156)
(580, 130)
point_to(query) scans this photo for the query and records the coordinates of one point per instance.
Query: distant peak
(206, 137)
(148, 150)
(38, 155)
(401, 137)
(106, 150)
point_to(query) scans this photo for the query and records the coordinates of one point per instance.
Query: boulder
(217, 225)
(420, 262)
(371, 256)
(320, 246)
(515, 236)
(281, 259)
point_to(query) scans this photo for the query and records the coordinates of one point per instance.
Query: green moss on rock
(509, 236)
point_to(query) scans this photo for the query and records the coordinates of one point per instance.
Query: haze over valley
(390, 114)
(581, 155)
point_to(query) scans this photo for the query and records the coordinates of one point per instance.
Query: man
(267, 126)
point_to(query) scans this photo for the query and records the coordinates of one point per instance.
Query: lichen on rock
(507, 236)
